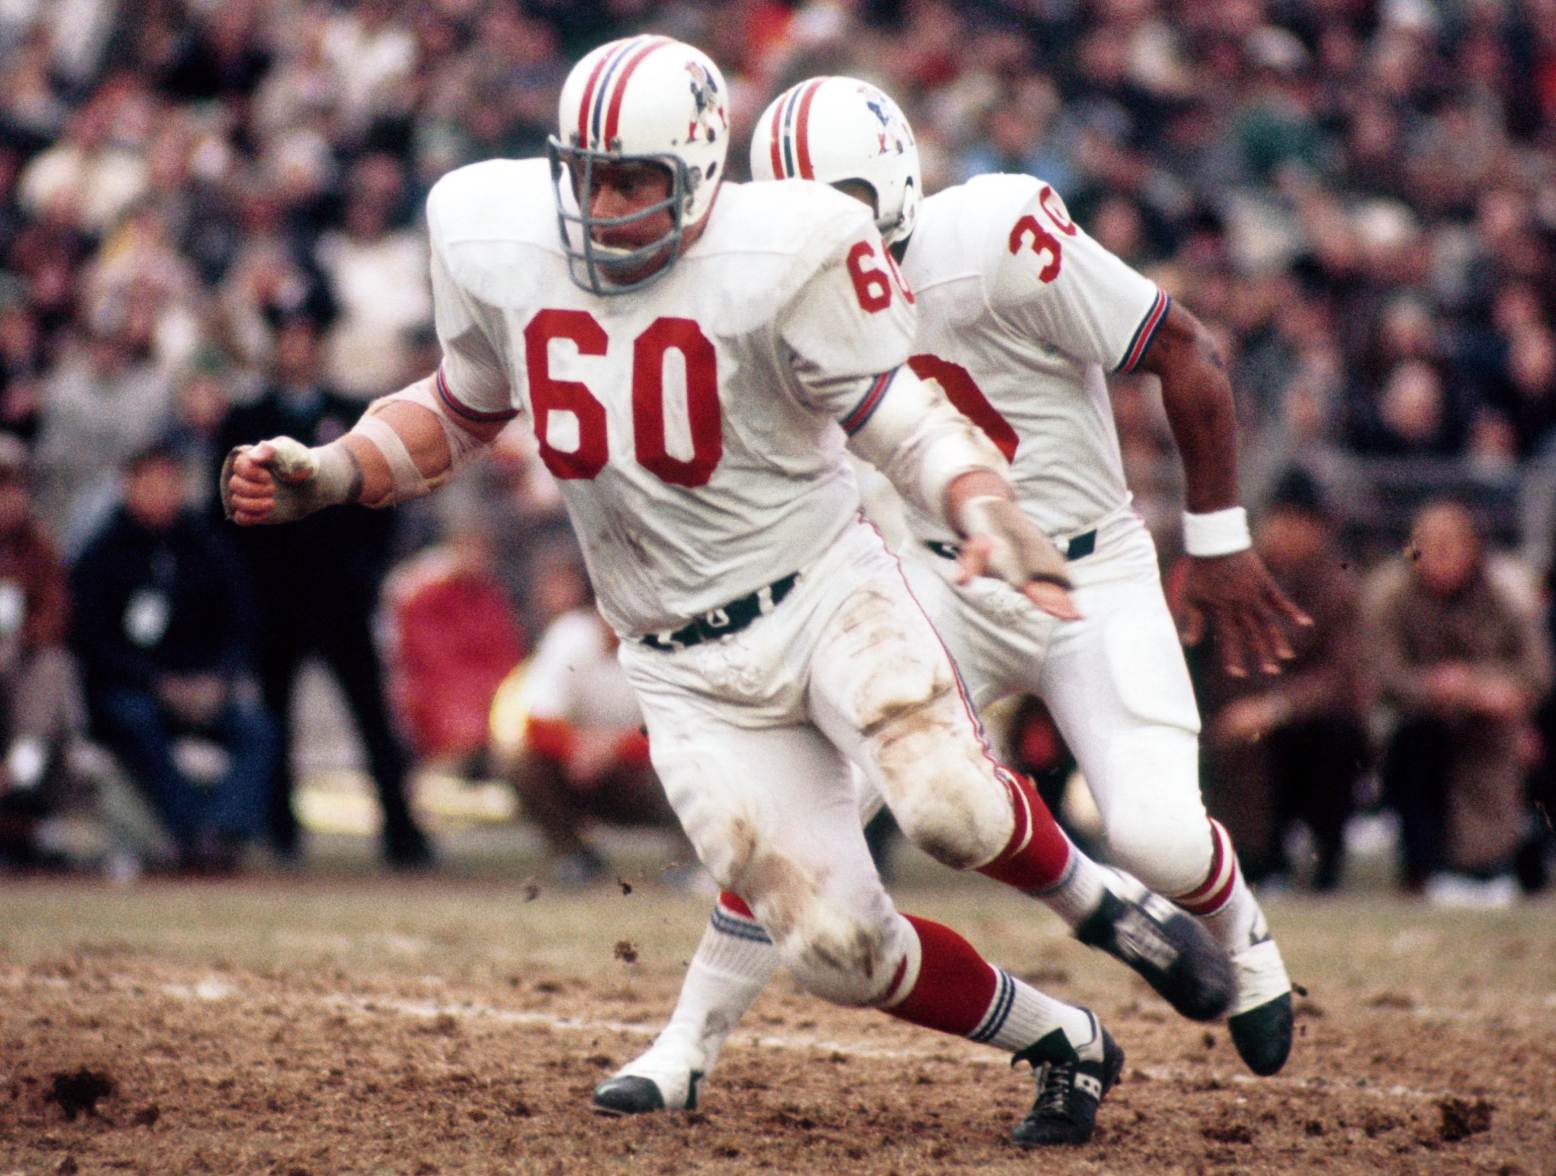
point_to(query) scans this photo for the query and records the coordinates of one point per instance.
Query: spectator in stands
(378, 271)
(40, 707)
(586, 756)
(1458, 654)
(327, 613)
(104, 401)
(1279, 751)
(163, 626)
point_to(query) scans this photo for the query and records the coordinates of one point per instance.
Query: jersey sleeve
(472, 381)
(848, 328)
(1052, 282)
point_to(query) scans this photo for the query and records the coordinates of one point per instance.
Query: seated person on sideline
(586, 756)
(1461, 660)
(163, 629)
(39, 704)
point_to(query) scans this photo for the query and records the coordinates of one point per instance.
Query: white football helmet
(642, 99)
(836, 129)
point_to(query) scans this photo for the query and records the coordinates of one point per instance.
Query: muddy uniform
(694, 431)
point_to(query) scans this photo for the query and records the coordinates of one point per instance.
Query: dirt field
(342, 1023)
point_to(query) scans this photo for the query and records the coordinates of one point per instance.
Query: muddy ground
(309, 1027)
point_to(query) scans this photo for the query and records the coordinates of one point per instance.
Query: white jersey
(1020, 312)
(693, 425)
(574, 677)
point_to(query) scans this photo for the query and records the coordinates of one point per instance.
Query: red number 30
(1042, 241)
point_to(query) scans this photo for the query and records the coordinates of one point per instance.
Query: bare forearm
(973, 484)
(1197, 395)
(420, 433)
(405, 445)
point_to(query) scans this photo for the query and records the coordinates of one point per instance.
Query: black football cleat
(1168, 948)
(630, 1094)
(1260, 1024)
(1070, 1088)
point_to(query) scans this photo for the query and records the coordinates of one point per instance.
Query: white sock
(1020, 1015)
(1223, 903)
(1078, 892)
(732, 965)
(1238, 923)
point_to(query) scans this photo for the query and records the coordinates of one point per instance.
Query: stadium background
(1359, 197)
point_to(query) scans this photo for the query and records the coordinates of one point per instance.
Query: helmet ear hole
(862, 190)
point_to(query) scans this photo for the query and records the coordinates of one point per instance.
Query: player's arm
(406, 445)
(939, 461)
(848, 331)
(1054, 283)
(1226, 582)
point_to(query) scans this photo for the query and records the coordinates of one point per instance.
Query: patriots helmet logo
(892, 136)
(708, 115)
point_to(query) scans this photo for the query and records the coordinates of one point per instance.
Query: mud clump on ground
(1462, 1119)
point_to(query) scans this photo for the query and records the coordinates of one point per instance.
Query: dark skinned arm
(1233, 593)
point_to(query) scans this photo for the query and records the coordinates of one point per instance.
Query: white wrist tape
(1218, 532)
(1022, 553)
(305, 479)
(335, 473)
(407, 478)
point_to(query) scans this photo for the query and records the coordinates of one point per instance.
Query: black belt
(724, 620)
(1079, 547)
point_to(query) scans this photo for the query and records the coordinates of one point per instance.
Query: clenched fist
(282, 480)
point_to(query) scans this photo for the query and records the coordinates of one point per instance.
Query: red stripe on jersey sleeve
(459, 409)
(1144, 333)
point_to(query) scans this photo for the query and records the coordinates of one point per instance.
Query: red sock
(1038, 851)
(1212, 894)
(954, 984)
(735, 905)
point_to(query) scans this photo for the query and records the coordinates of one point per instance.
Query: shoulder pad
(486, 220)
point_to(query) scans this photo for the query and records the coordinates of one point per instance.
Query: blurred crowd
(210, 231)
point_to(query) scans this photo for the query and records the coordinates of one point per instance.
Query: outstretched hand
(1236, 595)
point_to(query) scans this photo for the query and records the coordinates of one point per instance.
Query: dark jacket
(332, 560)
(148, 604)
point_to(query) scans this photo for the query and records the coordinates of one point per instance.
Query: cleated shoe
(1070, 1087)
(1171, 952)
(659, 1080)
(1261, 1018)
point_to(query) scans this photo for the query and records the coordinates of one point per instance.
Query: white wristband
(1220, 532)
(336, 472)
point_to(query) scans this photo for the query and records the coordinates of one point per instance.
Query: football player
(694, 357)
(1020, 314)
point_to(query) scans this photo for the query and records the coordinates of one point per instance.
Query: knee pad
(941, 784)
(1168, 850)
(843, 956)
